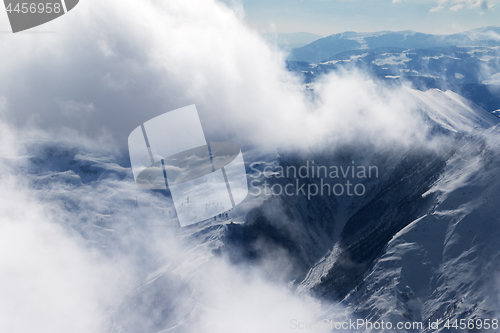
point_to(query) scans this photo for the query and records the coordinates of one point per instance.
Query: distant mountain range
(467, 63)
(325, 48)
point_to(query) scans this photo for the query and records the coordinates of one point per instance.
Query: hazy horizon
(329, 17)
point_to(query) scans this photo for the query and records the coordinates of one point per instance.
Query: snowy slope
(329, 46)
(444, 264)
(453, 112)
(431, 206)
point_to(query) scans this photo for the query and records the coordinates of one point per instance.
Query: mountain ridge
(332, 45)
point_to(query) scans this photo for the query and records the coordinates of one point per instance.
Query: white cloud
(242, 300)
(50, 281)
(436, 9)
(74, 254)
(456, 5)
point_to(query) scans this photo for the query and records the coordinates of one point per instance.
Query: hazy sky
(325, 17)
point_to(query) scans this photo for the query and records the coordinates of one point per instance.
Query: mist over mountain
(418, 219)
(289, 41)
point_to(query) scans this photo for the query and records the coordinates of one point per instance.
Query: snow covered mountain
(398, 222)
(440, 267)
(466, 63)
(419, 246)
(330, 46)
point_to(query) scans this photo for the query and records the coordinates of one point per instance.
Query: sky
(326, 17)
